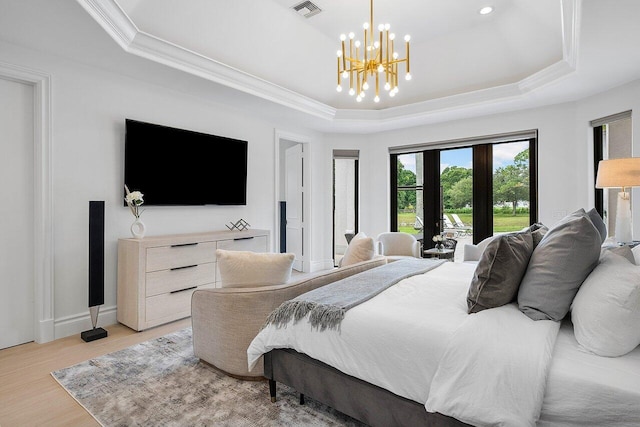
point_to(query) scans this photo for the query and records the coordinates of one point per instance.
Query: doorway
(292, 200)
(17, 278)
(345, 200)
(294, 203)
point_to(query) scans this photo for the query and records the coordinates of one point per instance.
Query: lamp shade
(618, 173)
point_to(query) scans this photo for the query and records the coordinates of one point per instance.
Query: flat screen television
(180, 167)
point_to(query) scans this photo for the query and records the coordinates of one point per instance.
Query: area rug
(161, 383)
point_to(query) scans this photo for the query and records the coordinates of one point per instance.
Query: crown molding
(110, 16)
(119, 26)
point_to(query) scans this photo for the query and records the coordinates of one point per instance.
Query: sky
(503, 155)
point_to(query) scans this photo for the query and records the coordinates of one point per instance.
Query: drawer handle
(184, 244)
(243, 238)
(182, 290)
(186, 266)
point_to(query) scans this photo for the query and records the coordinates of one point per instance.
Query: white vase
(138, 229)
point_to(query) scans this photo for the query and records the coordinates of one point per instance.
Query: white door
(294, 188)
(16, 213)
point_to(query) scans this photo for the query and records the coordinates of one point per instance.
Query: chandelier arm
(344, 54)
(366, 49)
(386, 79)
(397, 61)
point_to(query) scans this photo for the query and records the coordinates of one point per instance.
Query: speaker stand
(95, 333)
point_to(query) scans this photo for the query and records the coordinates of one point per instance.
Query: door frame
(43, 197)
(279, 140)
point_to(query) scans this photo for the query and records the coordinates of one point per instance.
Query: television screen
(180, 167)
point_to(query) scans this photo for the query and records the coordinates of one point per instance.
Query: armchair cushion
(245, 268)
(398, 244)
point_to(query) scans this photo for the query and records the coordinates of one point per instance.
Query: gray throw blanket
(328, 304)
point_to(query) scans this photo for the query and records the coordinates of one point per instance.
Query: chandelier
(366, 64)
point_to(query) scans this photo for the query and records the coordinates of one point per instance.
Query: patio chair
(448, 225)
(462, 228)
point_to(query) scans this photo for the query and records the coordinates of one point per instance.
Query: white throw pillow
(636, 254)
(361, 248)
(606, 310)
(245, 268)
(474, 252)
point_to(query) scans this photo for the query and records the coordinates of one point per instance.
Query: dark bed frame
(359, 399)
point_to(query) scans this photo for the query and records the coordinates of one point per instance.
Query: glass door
(456, 186)
(511, 192)
(410, 198)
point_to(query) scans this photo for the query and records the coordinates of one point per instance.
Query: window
(345, 200)
(611, 140)
(466, 190)
(409, 197)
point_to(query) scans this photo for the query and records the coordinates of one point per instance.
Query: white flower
(437, 238)
(134, 200)
(135, 197)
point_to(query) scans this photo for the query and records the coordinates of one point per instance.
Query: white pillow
(606, 310)
(474, 252)
(245, 268)
(636, 254)
(361, 248)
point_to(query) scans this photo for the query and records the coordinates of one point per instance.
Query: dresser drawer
(175, 279)
(253, 244)
(166, 257)
(168, 307)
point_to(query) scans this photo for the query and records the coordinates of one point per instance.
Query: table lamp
(620, 173)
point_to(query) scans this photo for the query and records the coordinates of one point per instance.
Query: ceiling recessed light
(486, 10)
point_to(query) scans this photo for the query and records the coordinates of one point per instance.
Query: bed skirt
(359, 399)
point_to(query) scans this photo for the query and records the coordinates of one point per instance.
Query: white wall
(89, 107)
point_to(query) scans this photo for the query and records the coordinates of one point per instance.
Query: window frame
(482, 183)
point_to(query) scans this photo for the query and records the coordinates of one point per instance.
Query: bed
(413, 355)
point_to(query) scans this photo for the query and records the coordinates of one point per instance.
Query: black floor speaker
(283, 227)
(96, 269)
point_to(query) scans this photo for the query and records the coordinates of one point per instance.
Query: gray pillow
(499, 271)
(538, 230)
(596, 219)
(559, 264)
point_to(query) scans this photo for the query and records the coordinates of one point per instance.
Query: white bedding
(585, 389)
(401, 351)
(495, 369)
(369, 346)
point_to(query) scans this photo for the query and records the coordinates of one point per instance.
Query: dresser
(158, 274)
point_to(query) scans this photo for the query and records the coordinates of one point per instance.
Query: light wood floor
(29, 396)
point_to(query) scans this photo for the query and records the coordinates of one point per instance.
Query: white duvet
(416, 340)
(369, 345)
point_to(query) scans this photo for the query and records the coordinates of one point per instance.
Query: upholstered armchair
(397, 244)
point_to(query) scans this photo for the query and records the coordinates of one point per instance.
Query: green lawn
(501, 223)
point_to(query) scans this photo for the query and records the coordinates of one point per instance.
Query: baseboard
(45, 331)
(72, 325)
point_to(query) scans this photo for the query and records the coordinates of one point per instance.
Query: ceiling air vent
(306, 9)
